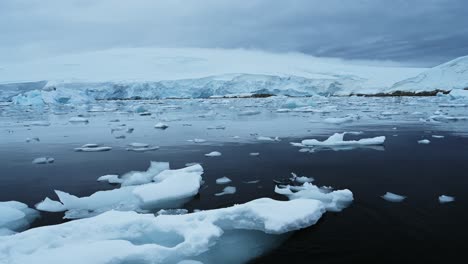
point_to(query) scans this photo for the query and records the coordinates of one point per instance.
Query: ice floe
(92, 148)
(341, 120)
(337, 142)
(213, 154)
(424, 141)
(128, 237)
(223, 180)
(156, 188)
(263, 138)
(446, 199)
(334, 201)
(392, 197)
(14, 217)
(161, 126)
(227, 190)
(43, 160)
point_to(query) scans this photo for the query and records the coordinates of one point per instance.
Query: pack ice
(15, 216)
(229, 235)
(157, 188)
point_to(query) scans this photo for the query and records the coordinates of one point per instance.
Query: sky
(411, 32)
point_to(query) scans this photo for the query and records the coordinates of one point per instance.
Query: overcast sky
(419, 32)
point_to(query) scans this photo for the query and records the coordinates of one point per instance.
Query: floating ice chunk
(77, 119)
(213, 154)
(161, 125)
(50, 206)
(252, 182)
(337, 139)
(220, 127)
(120, 136)
(424, 141)
(138, 145)
(446, 118)
(33, 139)
(167, 189)
(391, 197)
(43, 160)
(143, 149)
(15, 216)
(227, 190)
(249, 113)
(223, 180)
(38, 123)
(110, 178)
(254, 154)
(145, 113)
(262, 138)
(197, 140)
(446, 199)
(129, 237)
(303, 179)
(437, 136)
(341, 120)
(453, 105)
(334, 201)
(92, 148)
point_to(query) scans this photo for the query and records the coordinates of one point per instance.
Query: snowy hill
(447, 76)
(149, 73)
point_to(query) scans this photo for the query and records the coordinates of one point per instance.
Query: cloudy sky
(418, 32)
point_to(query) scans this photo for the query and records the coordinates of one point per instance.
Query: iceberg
(15, 217)
(157, 188)
(249, 229)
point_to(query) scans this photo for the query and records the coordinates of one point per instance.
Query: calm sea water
(371, 229)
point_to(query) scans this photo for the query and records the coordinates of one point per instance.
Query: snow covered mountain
(149, 73)
(448, 76)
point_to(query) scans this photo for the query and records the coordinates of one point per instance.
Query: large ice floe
(337, 142)
(229, 235)
(15, 217)
(157, 188)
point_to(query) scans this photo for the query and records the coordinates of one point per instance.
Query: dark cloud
(416, 31)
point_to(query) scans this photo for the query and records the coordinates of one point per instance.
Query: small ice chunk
(161, 126)
(254, 154)
(110, 178)
(252, 182)
(437, 136)
(263, 138)
(92, 148)
(223, 180)
(337, 139)
(50, 206)
(424, 141)
(143, 149)
(227, 190)
(213, 154)
(43, 160)
(249, 113)
(77, 119)
(392, 197)
(33, 139)
(446, 199)
(138, 145)
(199, 140)
(341, 120)
(303, 179)
(38, 123)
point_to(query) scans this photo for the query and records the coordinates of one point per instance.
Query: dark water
(371, 229)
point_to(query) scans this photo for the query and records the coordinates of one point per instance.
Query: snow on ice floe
(161, 125)
(223, 180)
(92, 148)
(15, 217)
(337, 142)
(424, 141)
(213, 154)
(227, 190)
(334, 201)
(128, 237)
(392, 197)
(158, 187)
(43, 160)
(446, 199)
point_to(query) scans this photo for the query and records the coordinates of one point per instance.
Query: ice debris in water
(14, 217)
(446, 199)
(334, 201)
(92, 148)
(38, 123)
(158, 187)
(263, 138)
(43, 160)
(227, 190)
(424, 141)
(213, 154)
(341, 120)
(33, 139)
(78, 119)
(129, 237)
(254, 154)
(141, 147)
(392, 197)
(437, 136)
(161, 126)
(337, 142)
(197, 140)
(223, 180)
